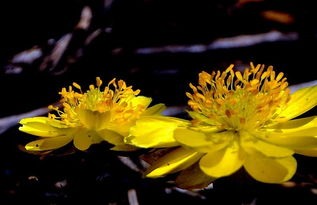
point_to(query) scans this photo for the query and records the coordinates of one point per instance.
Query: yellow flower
(242, 120)
(90, 117)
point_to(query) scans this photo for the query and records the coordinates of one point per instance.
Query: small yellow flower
(242, 120)
(90, 117)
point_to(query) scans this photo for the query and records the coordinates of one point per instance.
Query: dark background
(126, 27)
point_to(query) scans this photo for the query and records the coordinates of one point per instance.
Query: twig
(302, 85)
(222, 43)
(184, 191)
(60, 50)
(132, 197)
(85, 19)
(27, 56)
(8, 122)
(52, 60)
(128, 162)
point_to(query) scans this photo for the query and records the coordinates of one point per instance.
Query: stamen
(250, 99)
(50, 107)
(98, 81)
(76, 86)
(279, 76)
(114, 98)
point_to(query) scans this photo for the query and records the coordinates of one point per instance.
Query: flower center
(236, 101)
(116, 98)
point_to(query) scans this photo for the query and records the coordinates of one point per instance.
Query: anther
(98, 81)
(76, 86)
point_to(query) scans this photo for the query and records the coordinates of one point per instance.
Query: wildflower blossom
(242, 120)
(91, 117)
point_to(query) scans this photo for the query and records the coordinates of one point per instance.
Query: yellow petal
(253, 144)
(295, 125)
(39, 130)
(141, 100)
(48, 143)
(43, 127)
(301, 101)
(154, 131)
(270, 170)
(93, 119)
(111, 137)
(102, 120)
(222, 163)
(82, 140)
(191, 138)
(193, 178)
(121, 128)
(154, 110)
(174, 161)
(87, 118)
(96, 139)
(293, 142)
(298, 133)
(202, 142)
(310, 152)
(202, 118)
(298, 127)
(43, 120)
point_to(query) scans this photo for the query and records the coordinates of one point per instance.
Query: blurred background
(158, 46)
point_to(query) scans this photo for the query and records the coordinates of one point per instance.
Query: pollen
(238, 101)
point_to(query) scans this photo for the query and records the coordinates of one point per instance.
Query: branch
(222, 43)
(8, 122)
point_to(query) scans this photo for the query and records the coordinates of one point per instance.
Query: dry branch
(58, 50)
(10, 121)
(222, 43)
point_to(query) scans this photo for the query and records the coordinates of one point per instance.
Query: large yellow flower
(242, 120)
(92, 116)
